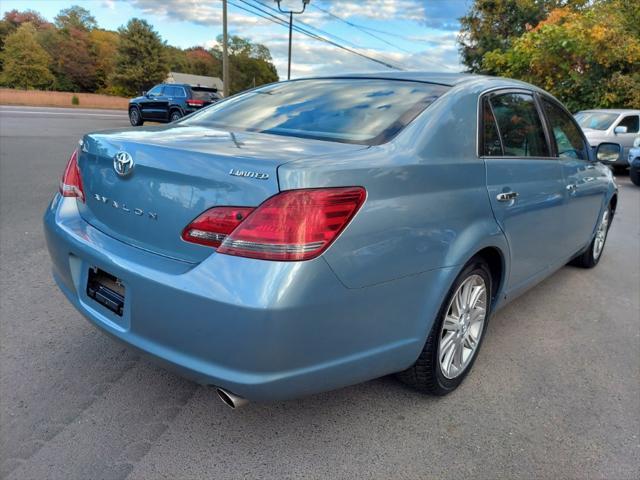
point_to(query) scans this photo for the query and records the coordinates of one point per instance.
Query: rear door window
(519, 125)
(567, 136)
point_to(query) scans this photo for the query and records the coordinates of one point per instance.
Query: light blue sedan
(316, 233)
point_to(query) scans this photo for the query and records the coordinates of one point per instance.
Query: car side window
(632, 122)
(155, 91)
(519, 124)
(491, 144)
(171, 91)
(569, 141)
(180, 92)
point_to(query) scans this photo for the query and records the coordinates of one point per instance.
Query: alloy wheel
(463, 326)
(601, 235)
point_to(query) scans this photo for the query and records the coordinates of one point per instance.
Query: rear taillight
(213, 226)
(295, 224)
(195, 103)
(71, 183)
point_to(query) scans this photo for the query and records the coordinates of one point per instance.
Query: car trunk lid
(178, 172)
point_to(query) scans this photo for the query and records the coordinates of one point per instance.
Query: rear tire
(592, 255)
(634, 174)
(435, 372)
(134, 117)
(175, 116)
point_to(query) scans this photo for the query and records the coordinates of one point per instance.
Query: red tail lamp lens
(295, 224)
(213, 226)
(71, 183)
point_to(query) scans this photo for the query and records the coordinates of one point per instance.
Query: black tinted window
(491, 145)
(365, 111)
(520, 126)
(569, 142)
(632, 122)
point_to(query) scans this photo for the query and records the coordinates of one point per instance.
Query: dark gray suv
(169, 102)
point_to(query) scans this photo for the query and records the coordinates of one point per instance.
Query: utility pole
(291, 14)
(225, 53)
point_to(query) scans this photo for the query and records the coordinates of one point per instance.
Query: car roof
(442, 78)
(617, 111)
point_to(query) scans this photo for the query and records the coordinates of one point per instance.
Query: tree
(588, 58)
(75, 17)
(201, 62)
(13, 19)
(26, 63)
(105, 46)
(141, 59)
(493, 25)
(250, 64)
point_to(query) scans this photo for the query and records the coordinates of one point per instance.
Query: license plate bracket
(106, 289)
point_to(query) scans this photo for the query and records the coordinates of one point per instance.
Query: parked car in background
(617, 126)
(316, 233)
(634, 162)
(169, 102)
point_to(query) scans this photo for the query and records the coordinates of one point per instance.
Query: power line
(358, 27)
(278, 20)
(368, 30)
(324, 32)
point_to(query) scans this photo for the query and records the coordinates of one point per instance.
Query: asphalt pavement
(554, 394)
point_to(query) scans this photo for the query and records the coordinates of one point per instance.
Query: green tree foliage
(25, 62)
(13, 19)
(141, 59)
(84, 58)
(75, 17)
(588, 58)
(494, 24)
(250, 64)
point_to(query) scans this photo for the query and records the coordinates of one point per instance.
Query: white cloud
(312, 57)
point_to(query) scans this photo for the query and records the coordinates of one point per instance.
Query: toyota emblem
(123, 163)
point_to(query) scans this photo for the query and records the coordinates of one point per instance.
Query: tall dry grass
(10, 96)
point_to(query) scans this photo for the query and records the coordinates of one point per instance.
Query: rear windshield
(364, 111)
(206, 94)
(595, 120)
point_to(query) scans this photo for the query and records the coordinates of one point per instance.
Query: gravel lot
(555, 392)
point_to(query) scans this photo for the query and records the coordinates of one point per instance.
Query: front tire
(134, 117)
(456, 336)
(634, 174)
(591, 256)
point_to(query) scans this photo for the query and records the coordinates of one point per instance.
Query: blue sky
(413, 34)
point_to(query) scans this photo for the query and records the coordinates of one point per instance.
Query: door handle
(589, 167)
(506, 196)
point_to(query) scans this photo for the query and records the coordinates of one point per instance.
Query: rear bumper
(263, 330)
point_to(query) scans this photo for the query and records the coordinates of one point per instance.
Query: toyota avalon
(315, 233)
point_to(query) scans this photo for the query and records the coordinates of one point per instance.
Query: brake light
(212, 227)
(195, 103)
(294, 224)
(71, 183)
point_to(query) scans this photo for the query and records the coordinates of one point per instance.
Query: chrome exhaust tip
(230, 399)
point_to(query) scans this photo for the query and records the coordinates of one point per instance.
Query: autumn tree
(75, 17)
(201, 62)
(588, 58)
(25, 62)
(491, 25)
(141, 59)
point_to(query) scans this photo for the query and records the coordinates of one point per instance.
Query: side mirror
(620, 129)
(608, 152)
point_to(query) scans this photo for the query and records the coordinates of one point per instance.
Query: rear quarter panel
(427, 205)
